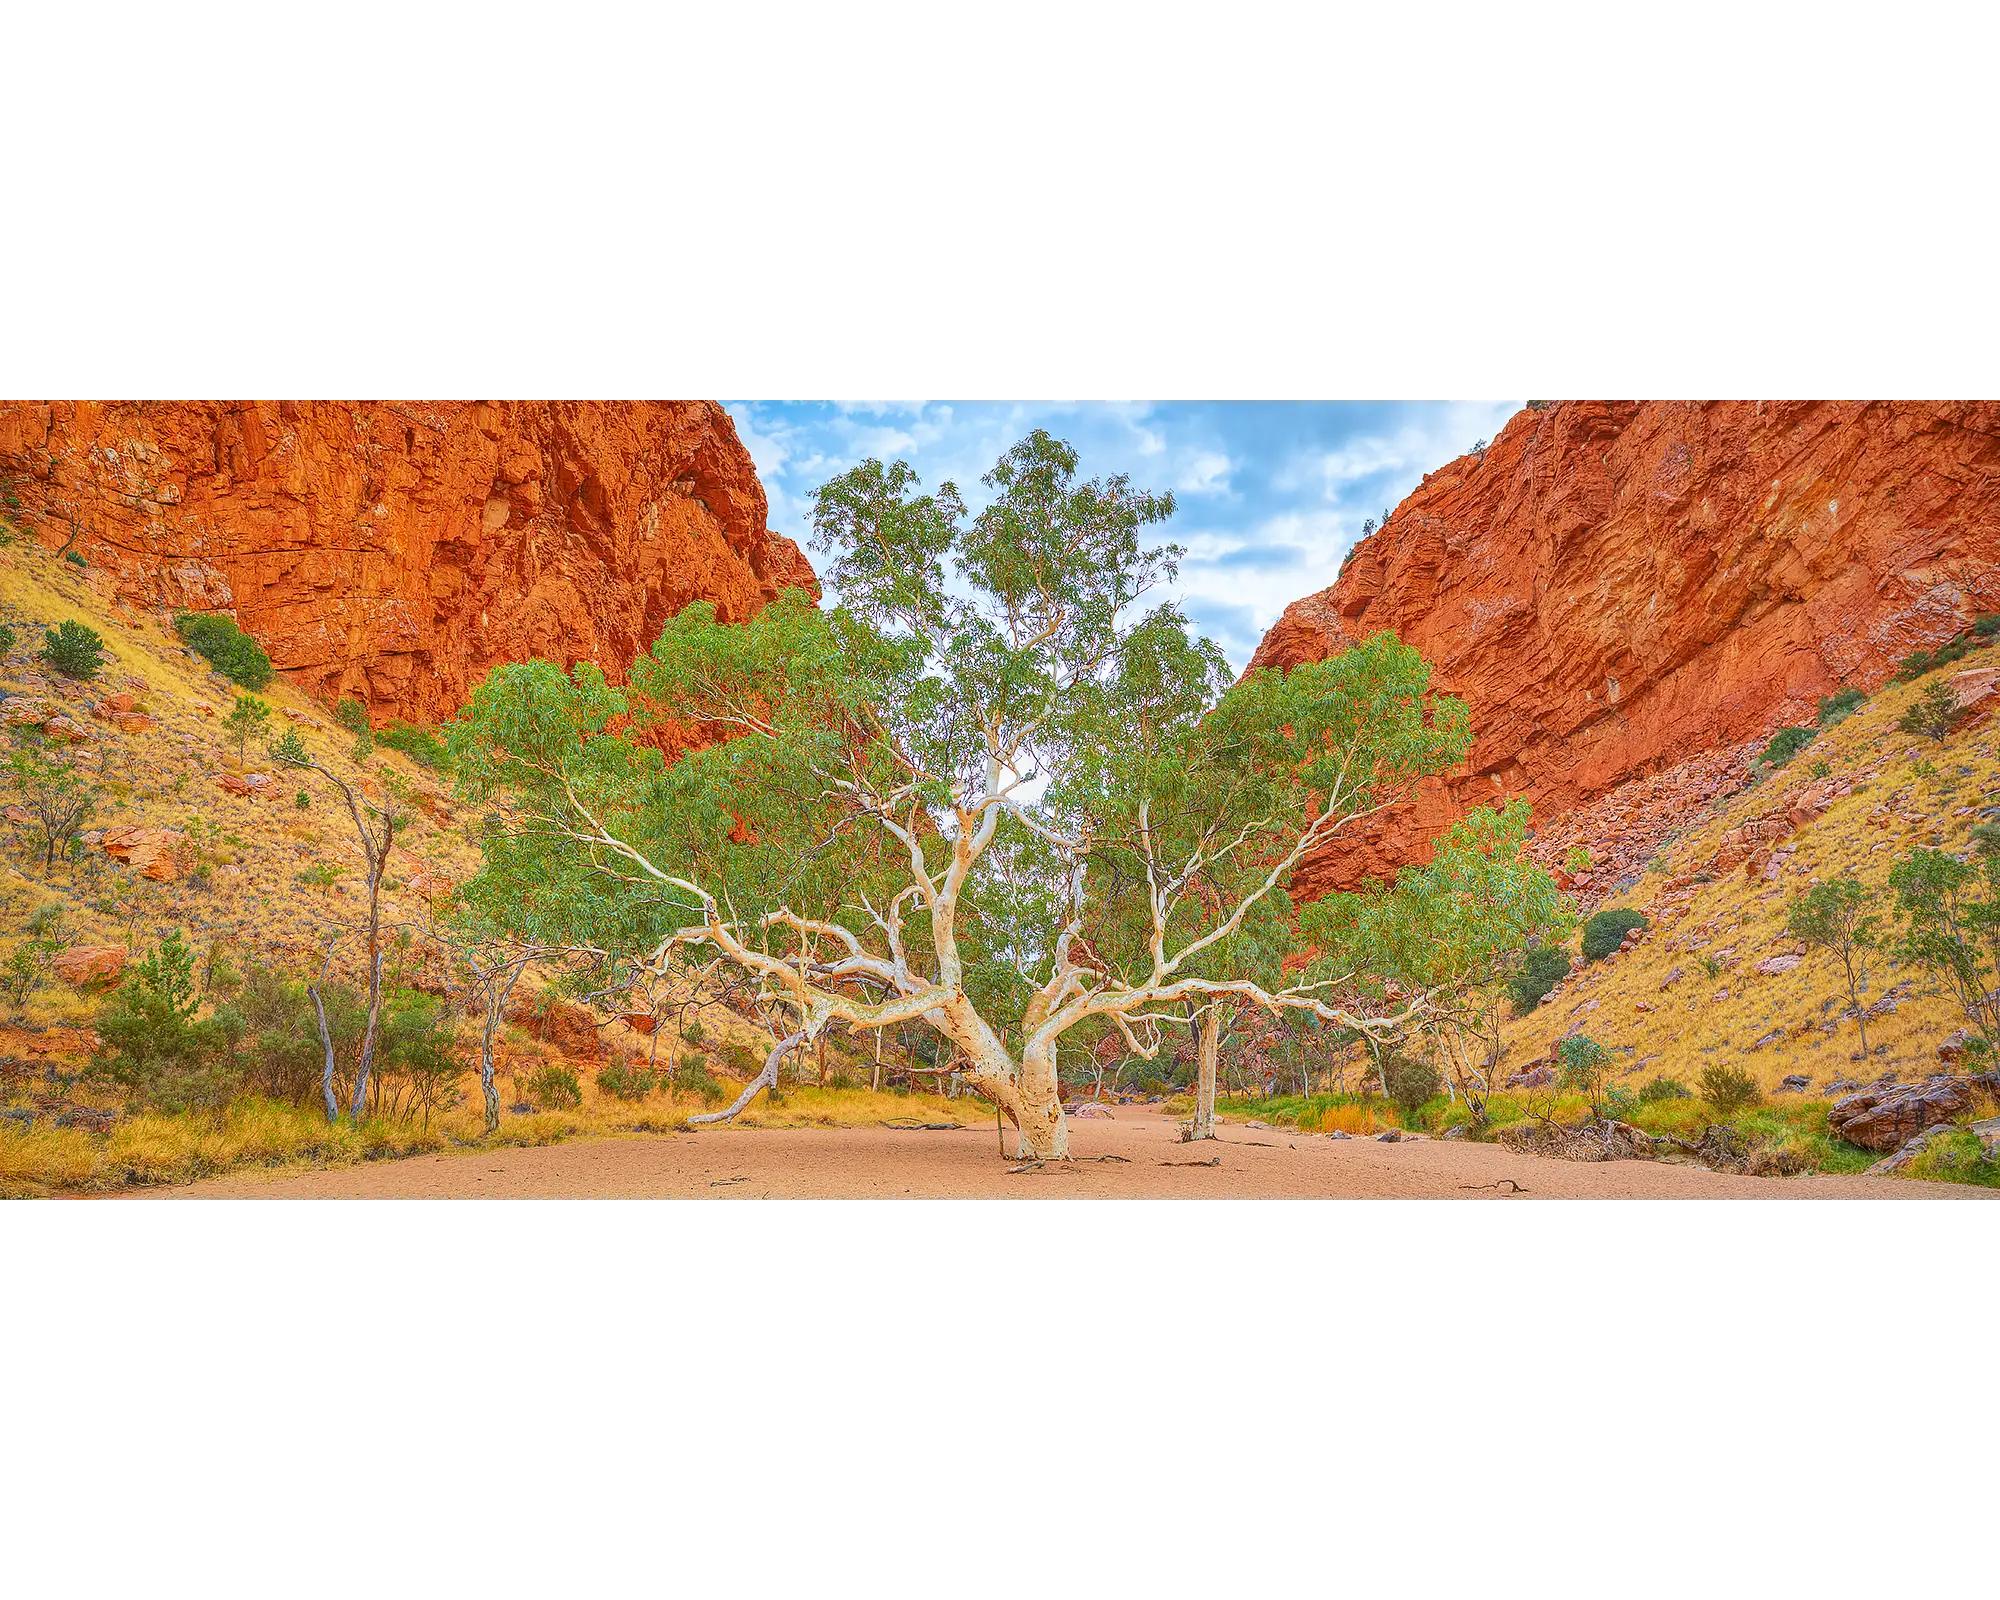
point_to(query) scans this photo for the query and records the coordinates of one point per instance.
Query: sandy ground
(884, 1163)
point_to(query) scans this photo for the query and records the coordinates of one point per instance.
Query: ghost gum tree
(990, 793)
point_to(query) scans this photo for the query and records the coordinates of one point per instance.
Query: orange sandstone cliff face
(1623, 590)
(394, 551)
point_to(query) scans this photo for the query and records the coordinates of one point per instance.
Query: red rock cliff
(393, 551)
(1618, 587)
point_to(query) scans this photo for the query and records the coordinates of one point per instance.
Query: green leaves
(988, 775)
(73, 650)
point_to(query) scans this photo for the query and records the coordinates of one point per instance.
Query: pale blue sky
(1271, 494)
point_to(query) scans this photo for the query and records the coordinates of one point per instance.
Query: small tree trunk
(326, 1043)
(877, 1084)
(368, 1037)
(1204, 1083)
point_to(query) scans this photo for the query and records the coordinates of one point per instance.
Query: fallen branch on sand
(1512, 1186)
(1066, 1164)
(925, 1127)
(1213, 1161)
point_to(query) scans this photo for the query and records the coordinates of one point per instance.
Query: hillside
(186, 836)
(1625, 590)
(1716, 978)
(391, 552)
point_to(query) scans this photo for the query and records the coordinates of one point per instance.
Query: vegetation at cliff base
(225, 647)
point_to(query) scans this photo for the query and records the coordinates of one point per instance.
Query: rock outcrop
(394, 551)
(1619, 587)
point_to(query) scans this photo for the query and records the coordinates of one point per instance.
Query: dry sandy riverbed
(884, 1163)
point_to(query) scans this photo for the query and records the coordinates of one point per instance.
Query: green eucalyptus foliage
(993, 700)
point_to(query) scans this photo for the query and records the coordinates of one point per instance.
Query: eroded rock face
(394, 551)
(1885, 1115)
(1618, 587)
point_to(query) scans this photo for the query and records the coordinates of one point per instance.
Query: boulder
(1952, 1051)
(1885, 1116)
(119, 702)
(151, 850)
(1091, 1110)
(1772, 966)
(131, 722)
(86, 964)
(1539, 1076)
(61, 727)
(1794, 1083)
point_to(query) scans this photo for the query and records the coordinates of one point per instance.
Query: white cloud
(1203, 472)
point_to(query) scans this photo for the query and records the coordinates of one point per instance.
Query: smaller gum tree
(990, 793)
(1835, 916)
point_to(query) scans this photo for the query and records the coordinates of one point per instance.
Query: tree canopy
(996, 790)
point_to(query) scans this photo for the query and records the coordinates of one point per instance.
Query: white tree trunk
(1204, 1085)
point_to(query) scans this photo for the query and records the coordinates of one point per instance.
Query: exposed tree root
(1512, 1186)
(923, 1127)
(1212, 1161)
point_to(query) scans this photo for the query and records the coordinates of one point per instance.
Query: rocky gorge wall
(1620, 589)
(394, 551)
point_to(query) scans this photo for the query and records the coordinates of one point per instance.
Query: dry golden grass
(143, 1151)
(254, 849)
(1702, 1019)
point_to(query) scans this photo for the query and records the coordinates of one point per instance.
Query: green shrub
(75, 560)
(7, 637)
(151, 1044)
(554, 1088)
(1603, 933)
(1657, 1089)
(1918, 662)
(1842, 703)
(247, 718)
(1986, 624)
(351, 715)
(1727, 1090)
(1543, 967)
(1585, 1065)
(303, 801)
(624, 1080)
(1409, 1084)
(225, 647)
(1786, 743)
(74, 650)
(695, 1078)
(419, 744)
(1932, 713)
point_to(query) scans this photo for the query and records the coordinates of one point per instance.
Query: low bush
(419, 744)
(1657, 1089)
(1932, 713)
(351, 715)
(1727, 1090)
(7, 637)
(74, 650)
(1986, 625)
(1584, 1066)
(694, 1078)
(554, 1088)
(1918, 662)
(1957, 1157)
(1542, 968)
(1409, 1084)
(625, 1080)
(225, 647)
(1786, 743)
(1603, 933)
(1839, 705)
